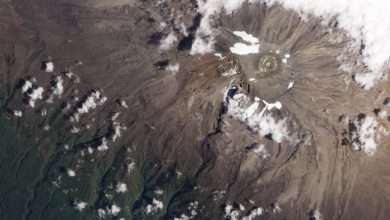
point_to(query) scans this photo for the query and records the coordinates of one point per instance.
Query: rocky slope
(106, 114)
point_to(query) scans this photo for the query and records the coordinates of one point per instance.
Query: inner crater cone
(290, 49)
(303, 53)
(269, 64)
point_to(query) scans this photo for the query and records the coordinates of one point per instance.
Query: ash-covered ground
(140, 109)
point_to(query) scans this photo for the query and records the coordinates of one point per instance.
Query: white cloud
(154, 206)
(114, 210)
(317, 215)
(246, 110)
(130, 167)
(202, 46)
(360, 20)
(80, 205)
(49, 67)
(117, 130)
(182, 217)
(91, 102)
(121, 187)
(276, 208)
(364, 137)
(74, 130)
(117, 127)
(32, 93)
(103, 145)
(27, 85)
(72, 76)
(363, 20)
(183, 29)
(262, 151)
(173, 69)
(58, 88)
(231, 213)
(382, 114)
(44, 112)
(124, 104)
(163, 25)
(167, 43)
(35, 95)
(234, 214)
(101, 213)
(71, 173)
(269, 125)
(159, 192)
(18, 113)
(253, 214)
(205, 35)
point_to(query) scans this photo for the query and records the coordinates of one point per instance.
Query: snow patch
(219, 55)
(244, 49)
(244, 109)
(246, 37)
(230, 72)
(359, 19)
(290, 84)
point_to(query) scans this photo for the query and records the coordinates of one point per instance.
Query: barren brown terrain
(127, 130)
